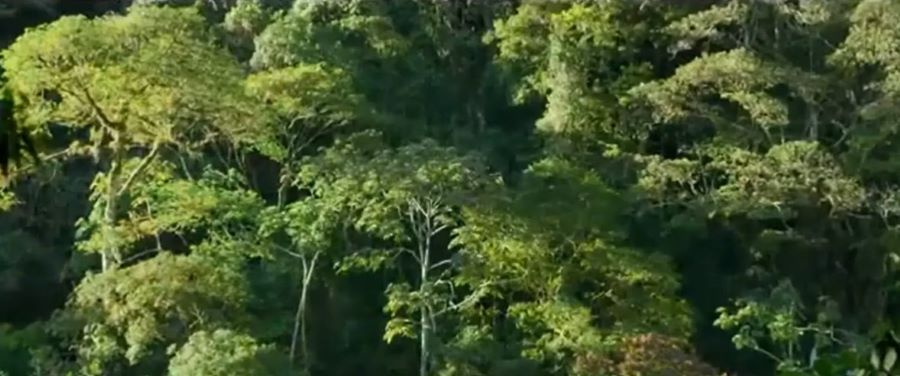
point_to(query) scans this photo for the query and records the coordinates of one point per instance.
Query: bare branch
(140, 168)
(439, 229)
(440, 264)
(411, 253)
(289, 252)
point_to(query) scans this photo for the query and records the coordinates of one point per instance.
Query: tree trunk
(300, 328)
(111, 255)
(283, 186)
(424, 323)
(425, 326)
(108, 256)
(423, 343)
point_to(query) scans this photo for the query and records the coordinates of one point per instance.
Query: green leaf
(226, 353)
(890, 359)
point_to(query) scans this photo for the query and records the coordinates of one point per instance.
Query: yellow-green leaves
(737, 76)
(7, 199)
(375, 187)
(558, 327)
(163, 204)
(143, 308)
(247, 18)
(305, 102)
(225, 352)
(153, 74)
(305, 91)
(872, 46)
(873, 35)
(707, 24)
(559, 229)
(788, 177)
(777, 317)
(402, 303)
(583, 57)
(148, 81)
(522, 42)
(873, 42)
(343, 33)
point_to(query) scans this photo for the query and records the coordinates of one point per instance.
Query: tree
(398, 54)
(138, 83)
(687, 186)
(580, 59)
(553, 241)
(768, 123)
(408, 197)
(124, 318)
(243, 22)
(224, 352)
(133, 314)
(308, 103)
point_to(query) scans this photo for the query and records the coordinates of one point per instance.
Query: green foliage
(242, 23)
(163, 204)
(522, 42)
(736, 76)
(869, 41)
(247, 18)
(225, 353)
(211, 203)
(375, 187)
(341, 32)
(707, 24)
(732, 181)
(406, 197)
(15, 347)
(868, 48)
(318, 179)
(307, 102)
(153, 75)
(548, 241)
(133, 314)
(775, 326)
(307, 92)
(401, 304)
(173, 3)
(7, 199)
(583, 57)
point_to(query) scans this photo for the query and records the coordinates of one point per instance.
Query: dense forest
(449, 187)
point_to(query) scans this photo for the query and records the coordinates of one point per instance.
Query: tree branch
(439, 229)
(104, 120)
(139, 255)
(289, 252)
(441, 263)
(140, 168)
(411, 253)
(471, 299)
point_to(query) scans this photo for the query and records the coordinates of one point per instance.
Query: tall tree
(141, 83)
(555, 243)
(409, 198)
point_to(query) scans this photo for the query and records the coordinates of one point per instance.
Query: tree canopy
(449, 188)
